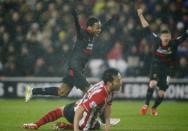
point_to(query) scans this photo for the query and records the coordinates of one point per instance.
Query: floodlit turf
(173, 116)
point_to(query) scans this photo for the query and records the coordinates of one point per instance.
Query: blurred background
(37, 36)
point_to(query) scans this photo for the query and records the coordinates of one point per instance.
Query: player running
(84, 112)
(79, 57)
(162, 60)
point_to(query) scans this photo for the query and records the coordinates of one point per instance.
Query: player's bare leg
(149, 94)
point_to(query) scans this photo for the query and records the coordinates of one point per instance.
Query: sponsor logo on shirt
(164, 51)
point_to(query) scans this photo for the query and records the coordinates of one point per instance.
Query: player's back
(98, 90)
(94, 101)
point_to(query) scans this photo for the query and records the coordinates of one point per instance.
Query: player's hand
(139, 11)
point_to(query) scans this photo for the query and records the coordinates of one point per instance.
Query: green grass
(173, 116)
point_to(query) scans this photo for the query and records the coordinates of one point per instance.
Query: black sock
(46, 91)
(158, 101)
(149, 95)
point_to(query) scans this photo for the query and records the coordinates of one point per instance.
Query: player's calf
(158, 100)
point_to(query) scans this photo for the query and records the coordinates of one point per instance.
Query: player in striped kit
(84, 113)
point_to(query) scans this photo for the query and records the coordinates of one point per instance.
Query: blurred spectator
(182, 71)
(96, 67)
(34, 34)
(133, 61)
(145, 57)
(115, 57)
(25, 62)
(40, 68)
(10, 67)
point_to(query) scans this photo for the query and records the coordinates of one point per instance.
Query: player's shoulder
(99, 84)
(100, 88)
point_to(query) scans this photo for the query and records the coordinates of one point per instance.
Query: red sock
(51, 116)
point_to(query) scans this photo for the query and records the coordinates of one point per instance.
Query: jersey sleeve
(94, 101)
(181, 38)
(76, 21)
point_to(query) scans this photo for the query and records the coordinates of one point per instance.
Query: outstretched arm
(76, 20)
(142, 18)
(145, 25)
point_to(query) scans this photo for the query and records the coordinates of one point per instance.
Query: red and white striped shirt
(94, 101)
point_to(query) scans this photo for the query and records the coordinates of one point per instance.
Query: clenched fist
(140, 12)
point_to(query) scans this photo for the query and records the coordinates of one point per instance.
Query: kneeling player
(84, 112)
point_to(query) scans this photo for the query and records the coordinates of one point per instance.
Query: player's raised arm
(145, 25)
(76, 20)
(142, 18)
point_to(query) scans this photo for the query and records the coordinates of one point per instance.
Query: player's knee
(152, 83)
(161, 93)
(64, 90)
(62, 109)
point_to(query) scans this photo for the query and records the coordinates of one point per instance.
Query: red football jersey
(94, 101)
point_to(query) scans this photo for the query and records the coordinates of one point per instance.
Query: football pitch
(173, 116)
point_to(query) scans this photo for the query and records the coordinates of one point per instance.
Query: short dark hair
(91, 21)
(165, 31)
(108, 75)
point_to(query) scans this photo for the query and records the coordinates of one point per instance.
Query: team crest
(93, 105)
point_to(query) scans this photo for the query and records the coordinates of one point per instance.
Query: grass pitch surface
(173, 116)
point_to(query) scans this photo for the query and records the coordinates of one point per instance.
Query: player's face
(117, 82)
(165, 38)
(96, 28)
